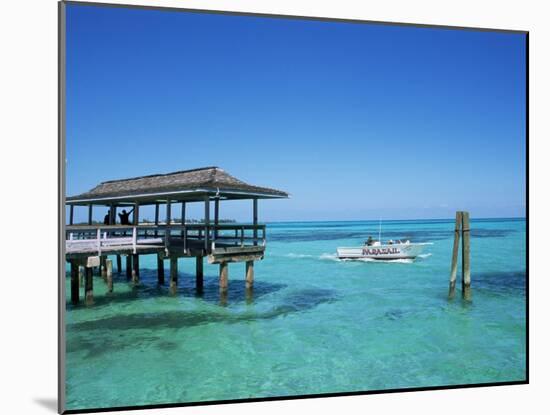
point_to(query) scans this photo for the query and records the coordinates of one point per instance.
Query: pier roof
(188, 185)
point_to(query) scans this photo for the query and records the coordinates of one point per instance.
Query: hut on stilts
(88, 245)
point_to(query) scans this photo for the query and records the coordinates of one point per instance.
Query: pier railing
(101, 238)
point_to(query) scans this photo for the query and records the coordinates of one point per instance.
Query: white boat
(377, 250)
(387, 251)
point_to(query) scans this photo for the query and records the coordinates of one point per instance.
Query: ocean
(313, 325)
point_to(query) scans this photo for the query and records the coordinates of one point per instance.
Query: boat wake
(299, 256)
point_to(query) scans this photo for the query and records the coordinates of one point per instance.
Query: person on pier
(124, 216)
(107, 219)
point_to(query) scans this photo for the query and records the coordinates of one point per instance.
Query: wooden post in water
(462, 227)
(249, 274)
(81, 275)
(224, 276)
(89, 288)
(173, 274)
(118, 264)
(135, 268)
(199, 278)
(160, 269)
(109, 266)
(74, 283)
(454, 261)
(466, 292)
(128, 266)
(103, 268)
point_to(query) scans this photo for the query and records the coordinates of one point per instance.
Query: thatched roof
(181, 185)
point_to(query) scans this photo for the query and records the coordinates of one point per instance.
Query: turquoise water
(314, 324)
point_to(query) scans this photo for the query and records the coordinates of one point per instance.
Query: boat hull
(383, 252)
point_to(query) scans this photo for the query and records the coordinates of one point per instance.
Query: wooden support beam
(223, 298)
(454, 260)
(255, 218)
(199, 279)
(183, 213)
(89, 287)
(216, 215)
(90, 214)
(136, 214)
(118, 264)
(224, 276)
(156, 217)
(74, 283)
(466, 292)
(168, 212)
(128, 266)
(135, 268)
(183, 232)
(168, 221)
(71, 214)
(206, 224)
(249, 274)
(160, 269)
(173, 274)
(109, 266)
(81, 273)
(103, 268)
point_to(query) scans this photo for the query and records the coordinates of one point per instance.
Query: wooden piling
(199, 278)
(224, 271)
(109, 266)
(103, 268)
(135, 268)
(118, 264)
(466, 292)
(128, 266)
(173, 274)
(223, 298)
(81, 273)
(74, 283)
(160, 269)
(89, 288)
(249, 274)
(454, 261)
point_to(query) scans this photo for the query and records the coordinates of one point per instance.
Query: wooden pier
(88, 245)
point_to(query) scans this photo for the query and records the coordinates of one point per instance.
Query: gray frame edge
(61, 111)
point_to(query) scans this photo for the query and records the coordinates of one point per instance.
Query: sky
(355, 121)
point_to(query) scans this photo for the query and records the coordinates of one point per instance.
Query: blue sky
(356, 121)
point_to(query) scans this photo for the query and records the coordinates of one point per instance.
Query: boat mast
(380, 230)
